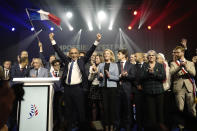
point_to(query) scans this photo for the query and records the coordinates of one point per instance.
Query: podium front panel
(34, 109)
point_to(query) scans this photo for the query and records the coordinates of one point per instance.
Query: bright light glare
(101, 15)
(52, 29)
(71, 28)
(69, 15)
(90, 26)
(32, 28)
(13, 29)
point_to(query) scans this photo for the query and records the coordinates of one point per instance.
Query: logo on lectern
(33, 112)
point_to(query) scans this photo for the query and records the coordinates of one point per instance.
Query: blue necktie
(70, 72)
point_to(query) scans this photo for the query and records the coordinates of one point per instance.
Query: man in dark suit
(58, 96)
(6, 69)
(138, 94)
(74, 80)
(20, 69)
(127, 76)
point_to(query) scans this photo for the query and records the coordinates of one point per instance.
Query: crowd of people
(96, 92)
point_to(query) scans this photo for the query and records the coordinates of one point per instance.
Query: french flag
(43, 15)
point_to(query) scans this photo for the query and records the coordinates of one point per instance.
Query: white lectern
(36, 111)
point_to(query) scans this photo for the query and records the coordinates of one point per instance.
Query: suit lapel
(119, 67)
(126, 65)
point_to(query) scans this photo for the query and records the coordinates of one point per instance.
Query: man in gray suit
(182, 71)
(38, 70)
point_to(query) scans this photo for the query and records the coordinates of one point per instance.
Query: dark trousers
(125, 107)
(58, 110)
(139, 106)
(74, 104)
(153, 110)
(110, 98)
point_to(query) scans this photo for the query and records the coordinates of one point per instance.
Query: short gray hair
(150, 51)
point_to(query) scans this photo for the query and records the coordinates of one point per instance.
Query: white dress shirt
(76, 76)
(124, 62)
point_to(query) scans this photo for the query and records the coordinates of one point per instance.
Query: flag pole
(32, 25)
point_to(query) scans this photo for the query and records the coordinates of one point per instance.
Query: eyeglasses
(73, 53)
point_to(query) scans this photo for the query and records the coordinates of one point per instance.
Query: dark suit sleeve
(62, 56)
(160, 73)
(89, 53)
(13, 71)
(187, 55)
(131, 73)
(144, 74)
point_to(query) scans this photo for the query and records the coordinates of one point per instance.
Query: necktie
(6, 74)
(36, 73)
(122, 69)
(70, 72)
(56, 74)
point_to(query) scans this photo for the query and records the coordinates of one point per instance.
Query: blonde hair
(112, 59)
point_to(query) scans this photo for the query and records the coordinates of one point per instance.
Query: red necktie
(122, 69)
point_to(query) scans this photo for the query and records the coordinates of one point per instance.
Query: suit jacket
(113, 73)
(152, 83)
(1, 73)
(81, 63)
(138, 70)
(8, 76)
(127, 81)
(16, 71)
(42, 72)
(179, 77)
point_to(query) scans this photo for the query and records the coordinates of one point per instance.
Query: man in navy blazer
(127, 76)
(74, 80)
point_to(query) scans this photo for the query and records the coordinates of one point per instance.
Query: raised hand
(184, 43)
(39, 44)
(98, 37)
(51, 36)
(101, 75)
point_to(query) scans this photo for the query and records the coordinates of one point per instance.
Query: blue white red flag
(43, 15)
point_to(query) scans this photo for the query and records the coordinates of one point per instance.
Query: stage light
(149, 27)
(71, 28)
(129, 27)
(111, 25)
(13, 29)
(90, 26)
(135, 12)
(110, 28)
(101, 15)
(69, 15)
(52, 29)
(90, 29)
(32, 29)
(169, 27)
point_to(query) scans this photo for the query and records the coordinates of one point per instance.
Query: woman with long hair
(95, 95)
(108, 75)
